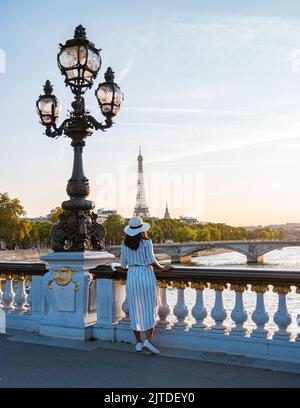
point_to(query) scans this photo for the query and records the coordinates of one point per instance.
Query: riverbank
(33, 255)
(213, 251)
(23, 255)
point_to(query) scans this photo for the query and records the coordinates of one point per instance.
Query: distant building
(103, 214)
(39, 219)
(288, 227)
(252, 227)
(292, 227)
(167, 214)
(189, 220)
(277, 227)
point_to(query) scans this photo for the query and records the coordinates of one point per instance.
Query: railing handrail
(23, 268)
(185, 274)
(211, 275)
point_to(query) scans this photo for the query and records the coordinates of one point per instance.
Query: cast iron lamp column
(79, 61)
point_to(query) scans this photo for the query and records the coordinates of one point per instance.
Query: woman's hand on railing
(168, 267)
(114, 265)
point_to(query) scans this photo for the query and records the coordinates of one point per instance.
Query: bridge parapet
(22, 297)
(195, 324)
(215, 328)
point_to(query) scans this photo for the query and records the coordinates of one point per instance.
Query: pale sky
(211, 93)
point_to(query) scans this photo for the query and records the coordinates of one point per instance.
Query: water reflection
(279, 258)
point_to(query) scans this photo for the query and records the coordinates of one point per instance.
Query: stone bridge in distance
(254, 250)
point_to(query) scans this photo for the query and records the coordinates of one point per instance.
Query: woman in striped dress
(141, 286)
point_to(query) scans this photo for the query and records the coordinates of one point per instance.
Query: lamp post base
(70, 307)
(77, 231)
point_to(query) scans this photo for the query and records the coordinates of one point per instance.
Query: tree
(203, 234)
(23, 230)
(34, 235)
(168, 227)
(114, 225)
(11, 226)
(185, 233)
(215, 234)
(43, 231)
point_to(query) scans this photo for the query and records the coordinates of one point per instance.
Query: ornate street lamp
(48, 106)
(109, 95)
(79, 61)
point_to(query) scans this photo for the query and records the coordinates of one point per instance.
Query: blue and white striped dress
(141, 285)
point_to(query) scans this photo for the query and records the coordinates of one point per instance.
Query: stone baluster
(8, 295)
(218, 313)
(260, 316)
(199, 311)
(110, 298)
(29, 296)
(298, 319)
(239, 315)
(21, 296)
(180, 309)
(125, 307)
(164, 309)
(282, 317)
(1, 293)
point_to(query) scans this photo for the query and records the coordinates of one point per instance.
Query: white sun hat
(135, 226)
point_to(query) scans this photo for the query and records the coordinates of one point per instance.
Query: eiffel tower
(141, 209)
(167, 214)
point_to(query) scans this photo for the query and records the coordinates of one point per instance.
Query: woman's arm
(160, 267)
(123, 258)
(152, 260)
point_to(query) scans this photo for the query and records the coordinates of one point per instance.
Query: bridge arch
(283, 246)
(253, 250)
(194, 250)
(183, 252)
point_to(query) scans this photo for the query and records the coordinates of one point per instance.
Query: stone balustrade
(188, 322)
(21, 294)
(204, 309)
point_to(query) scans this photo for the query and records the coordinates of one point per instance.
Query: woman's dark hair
(134, 242)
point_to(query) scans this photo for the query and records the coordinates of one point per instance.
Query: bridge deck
(55, 363)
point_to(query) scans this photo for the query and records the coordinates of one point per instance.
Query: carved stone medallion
(63, 277)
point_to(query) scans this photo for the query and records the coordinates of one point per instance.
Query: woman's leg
(149, 334)
(147, 344)
(137, 336)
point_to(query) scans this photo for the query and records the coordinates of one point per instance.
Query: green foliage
(265, 233)
(203, 234)
(215, 234)
(40, 232)
(12, 226)
(185, 233)
(114, 225)
(17, 231)
(178, 231)
(23, 230)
